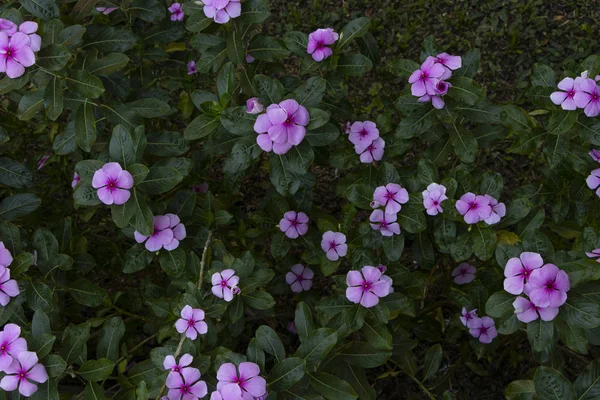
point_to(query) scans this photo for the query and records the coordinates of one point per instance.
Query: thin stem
(162, 390)
(423, 388)
(132, 315)
(203, 261)
(137, 346)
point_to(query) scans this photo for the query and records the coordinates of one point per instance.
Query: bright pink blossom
(484, 329)
(191, 67)
(223, 284)
(175, 367)
(5, 257)
(384, 223)
(177, 13)
(162, 235)
(244, 381)
(464, 273)
(11, 344)
(318, 43)
(588, 97)
(300, 278)
(548, 286)
(433, 197)
(363, 133)
(498, 210)
(15, 54)
(22, 372)
(294, 224)
(518, 270)
(391, 196)
(76, 179)
(440, 89)
(254, 106)
(8, 287)
(426, 77)
(452, 63)
(593, 181)
(366, 286)
(474, 208)
(179, 232)
(186, 385)
(334, 245)
(468, 317)
(113, 184)
(566, 97)
(371, 152)
(191, 322)
(222, 10)
(282, 126)
(526, 311)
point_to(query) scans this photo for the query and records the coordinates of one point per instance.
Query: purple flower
(15, 54)
(191, 322)
(162, 235)
(382, 268)
(191, 67)
(254, 106)
(526, 311)
(222, 10)
(452, 63)
(244, 381)
(566, 97)
(334, 245)
(291, 327)
(282, 126)
(177, 13)
(30, 28)
(318, 42)
(24, 370)
(11, 345)
(186, 385)
(474, 208)
(498, 210)
(384, 223)
(299, 278)
(179, 232)
(8, 27)
(593, 181)
(425, 79)
(76, 179)
(595, 154)
(440, 88)
(588, 97)
(464, 273)
(347, 128)
(113, 184)
(42, 161)
(249, 58)
(468, 317)
(594, 254)
(294, 224)
(105, 10)
(175, 367)
(5, 257)
(363, 132)
(8, 287)
(518, 270)
(391, 196)
(223, 284)
(484, 329)
(371, 152)
(366, 286)
(433, 197)
(547, 286)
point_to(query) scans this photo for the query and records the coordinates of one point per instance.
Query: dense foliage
(192, 208)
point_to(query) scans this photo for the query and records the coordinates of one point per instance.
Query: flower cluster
(113, 184)
(391, 197)
(191, 322)
(581, 92)
(184, 381)
(225, 284)
(318, 43)
(299, 278)
(18, 45)
(367, 143)
(8, 287)
(477, 208)
(483, 328)
(334, 245)
(428, 83)
(282, 126)
(222, 10)
(294, 224)
(239, 383)
(545, 285)
(366, 286)
(21, 367)
(168, 232)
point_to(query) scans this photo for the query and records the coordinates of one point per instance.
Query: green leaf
(520, 390)
(53, 98)
(85, 84)
(149, 108)
(415, 124)
(465, 90)
(166, 144)
(65, 142)
(71, 35)
(318, 118)
(200, 127)
(393, 247)
(354, 64)
(377, 335)
(592, 65)
(85, 126)
(296, 42)
(110, 39)
(142, 220)
(322, 136)
(464, 144)
(581, 312)
(161, 180)
(172, 262)
(198, 22)
(93, 391)
(316, 346)
(259, 300)
(267, 48)
(433, 359)
(110, 336)
(270, 342)
(14, 174)
(53, 58)
(285, 374)
(404, 68)
(303, 321)
(268, 90)
(44, 9)
(74, 342)
(515, 118)
(55, 365)
(412, 219)
(46, 245)
(86, 293)
(364, 355)
(542, 75)
(96, 370)
(484, 242)
(42, 344)
(254, 12)
(236, 49)
(552, 385)
(147, 10)
(587, 384)
(461, 249)
(354, 29)
(237, 121)
(499, 305)
(136, 259)
(30, 105)
(311, 92)
(121, 147)
(108, 64)
(18, 205)
(332, 387)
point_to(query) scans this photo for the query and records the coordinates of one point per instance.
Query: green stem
(203, 260)
(162, 390)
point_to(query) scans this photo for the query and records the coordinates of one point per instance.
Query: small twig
(137, 346)
(203, 261)
(162, 390)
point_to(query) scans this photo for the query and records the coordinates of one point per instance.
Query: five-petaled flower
(518, 270)
(294, 224)
(391, 196)
(384, 223)
(365, 287)
(318, 42)
(593, 181)
(299, 278)
(223, 284)
(363, 133)
(497, 210)
(244, 381)
(526, 311)
(282, 126)
(468, 317)
(484, 329)
(474, 208)
(175, 367)
(221, 11)
(177, 13)
(464, 273)
(370, 152)
(425, 79)
(191, 322)
(334, 245)
(161, 236)
(588, 97)
(8, 287)
(547, 286)
(113, 184)
(433, 197)
(22, 372)
(15, 54)
(566, 96)
(11, 344)
(186, 385)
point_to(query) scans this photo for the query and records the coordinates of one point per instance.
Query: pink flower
(518, 270)
(76, 179)
(334, 245)
(15, 54)
(433, 197)
(595, 154)
(594, 254)
(363, 133)
(30, 28)
(498, 210)
(468, 317)
(347, 128)
(548, 286)
(294, 224)
(191, 322)
(223, 284)
(452, 63)
(593, 181)
(371, 152)
(177, 13)
(8, 27)
(113, 184)
(191, 67)
(42, 162)
(201, 188)
(426, 77)
(566, 98)
(11, 345)
(300, 278)
(484, 329)
(526, 311)
(391, 196)
(474, 208)
(8, 287)
(464, 273)
(282, 126)
(222, 10)
(382, 268)
(186, 385)
(5, 257)
(244, 382)
(384, 223)
(366, 286)
(21, 372)
(179, 232)
(162, 235)
(105, 10)
(175, 367)
(441, 88)
(318, 42)
(254, 106)
(588, 97)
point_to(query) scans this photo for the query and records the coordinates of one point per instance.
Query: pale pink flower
(464, 273)
(468, 317)
(177, 13)
(548, 286)
(593, 181)
(433, 197)
(498, 210)
(162, 235)
(179, 232)
(254, 106)
(371, 152)
(334, 245)
(11, 345)
(366, 286)
(363, 133)
(5, 257)
(526, 311)
(223, 284)
(391, 196)
(282, 126)
(222, 10)
(106, 10)
(113, 184)
(300, 278)
(474, 208)
(20, 374)
(594, 254)
(384, 223)
(244, 381)
(76, 179)
(30, 28)
(8, 287)
(518, 270)
(15, 54)
(318, 43)
(426, 77)
(186, 385)
(191, 322)
(440, 88)
(588, 97)
(484, 329)
(191, 67)
(8, 27)
(566, 97)
(294, 224)
(175, 367)
(452, 63)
